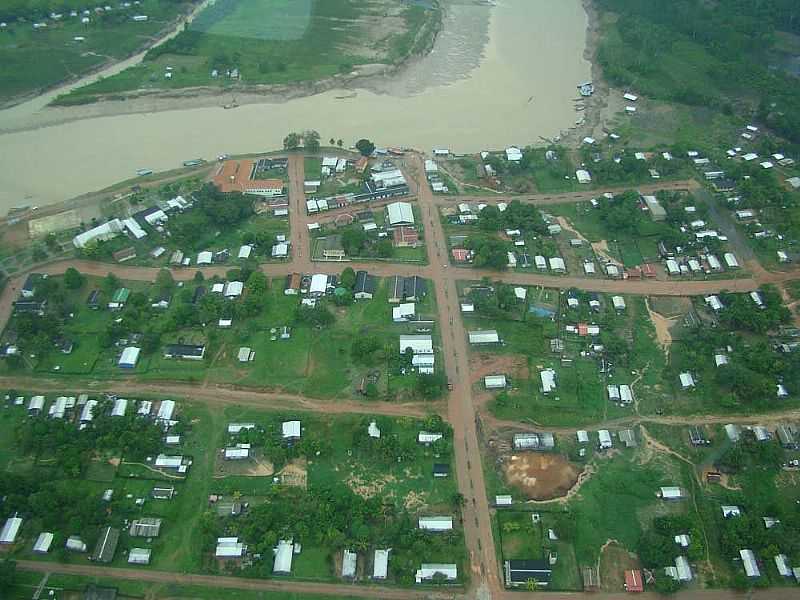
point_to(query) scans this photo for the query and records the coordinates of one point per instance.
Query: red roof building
(633, 581)
(239, 176)
(583, 329)
(406, 237)
(648, 270)
(460, 255)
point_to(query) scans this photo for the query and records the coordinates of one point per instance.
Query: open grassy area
(631, 357)
(237, 42)
(338, 452)
(27, 53)
(315, 362)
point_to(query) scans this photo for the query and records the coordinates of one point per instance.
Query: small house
(8, 534)
(519, 572)
(106, 545)
(364, 287)
(436, 524)
(749, 563)
(380, 564)
(428, 572)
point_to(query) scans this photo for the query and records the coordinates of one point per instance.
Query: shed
(284, 552)
(729, 511)
(548, 378)
(618, 302)
(428, 571)
(75, 544)
(605, 440)
(380, 563)
(633, 581)
(503, 500)
(349, 564)
(129, 357)
(291, 430)
(733, 432)
(139, 556)
(687, 380)
(683, 568)
(495, 382)
(436, 523)
(8, 534)
(749, 563)
(782, 564)
(671, 493)
(229, 547)
(583, 437)
(43, 543)
(427, 438)
(441, 470)
(484, 337)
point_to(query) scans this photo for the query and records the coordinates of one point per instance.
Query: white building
(399, 213)
(101, 233)
(436, 523)
(427, 572)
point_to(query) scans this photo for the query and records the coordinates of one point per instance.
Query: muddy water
(498, 75)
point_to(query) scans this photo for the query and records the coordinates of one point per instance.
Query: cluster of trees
(356, 242)
(333, 516)
(69, 450)
(308, 140)
(656, 547)
(213, 212)
(518, 215)
(392, 447)
(741, 313)
(488, 252)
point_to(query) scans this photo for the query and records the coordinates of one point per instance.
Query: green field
(276, 42)
(27, 53)
(314, 362)
(335, 456)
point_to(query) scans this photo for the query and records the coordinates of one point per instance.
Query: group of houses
(384, 182)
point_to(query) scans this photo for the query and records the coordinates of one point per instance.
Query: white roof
(245, 251)
(101, 232)
(626, 394)
(120, 407)
(557, 264)
(484, 337)
(237, 427)
(244, 354)
(583, 176)
(373, 430)
(750, 563)
(687, 380)
(618, 302)
(428, 571)
(329, 161)
(714, 302)
(349, 563)
(165, 460)
(583, 436)
(721, 359)
(234, 452)
(494, 381)
(229, 548)
(87, 412)
(9, 532)
(730, 259)
(604, 435)
(613, 391)
(400, 213)
(631, 97)
(319, 284)
(291, 429)
(782, 564)
(513, 154)
(130, 356)
(145, 406)
(139, 556)
(419, 344)
(233, 289)
(425, 437)
(283, 557)
(43, 542)
(548, 377)
(166, 410)
(436, 523)
(205, 257)
(217, 288)
(730, 510)
(684, 569)
(380, 564)
(403, 311)
(36, 403)
(503, 500)
(733, 432)
(671, 492)
(133, 226)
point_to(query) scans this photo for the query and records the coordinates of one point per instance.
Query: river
(497, 76)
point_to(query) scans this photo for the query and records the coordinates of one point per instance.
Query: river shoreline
(151, 101)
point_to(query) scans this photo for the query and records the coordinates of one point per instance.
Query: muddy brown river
(498, 75)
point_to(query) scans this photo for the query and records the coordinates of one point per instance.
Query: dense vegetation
(705, 54)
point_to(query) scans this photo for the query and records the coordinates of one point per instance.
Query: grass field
(28, 54)
(277, 42)
(314, 362)
(343, 458)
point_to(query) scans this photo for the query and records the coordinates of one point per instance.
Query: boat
(194, 162)
(144, 172)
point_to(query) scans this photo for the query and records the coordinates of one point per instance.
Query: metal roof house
(605, 440)
(734, 432)
(120, 407)
(349, 564)
(749, 563)
(234, 428)
(788, 437)
(129, 358)
(106, 545)
(729, 511)
(185, 351)
(436, 523)
(534, 441)
(284, 552)
(671, 493)
(683, 568)
(419, 344)
(364, 287)
(75, 544)
(145, 527)
(8, 534)
(782, 565)
(548, 377)
(43, 543)
(495, 382)
(687, 380)
(139, 556)
(427, 572)
(519, 572)
(399, 213)
(489, 336)
(290, 430)
(425, 437)
(229, 547)
(380, 563)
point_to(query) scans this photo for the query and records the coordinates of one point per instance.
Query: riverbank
(89, 74)
(498, 76)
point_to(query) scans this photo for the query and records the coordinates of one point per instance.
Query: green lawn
(27, 53)
(276, 42)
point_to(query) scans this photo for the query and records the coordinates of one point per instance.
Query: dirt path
(662, 325)
(221, 395)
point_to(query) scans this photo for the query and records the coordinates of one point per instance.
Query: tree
(164, 282)
(73, 280)
(365, 147)
(291, 141)
(339, 142)
(311, 141)
(666, 585)
(110, 284)
(199, 277)
(348, 278)
(331, 142)
(432, 386)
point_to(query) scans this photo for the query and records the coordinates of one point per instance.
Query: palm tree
(331, 142)
(339, 142)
